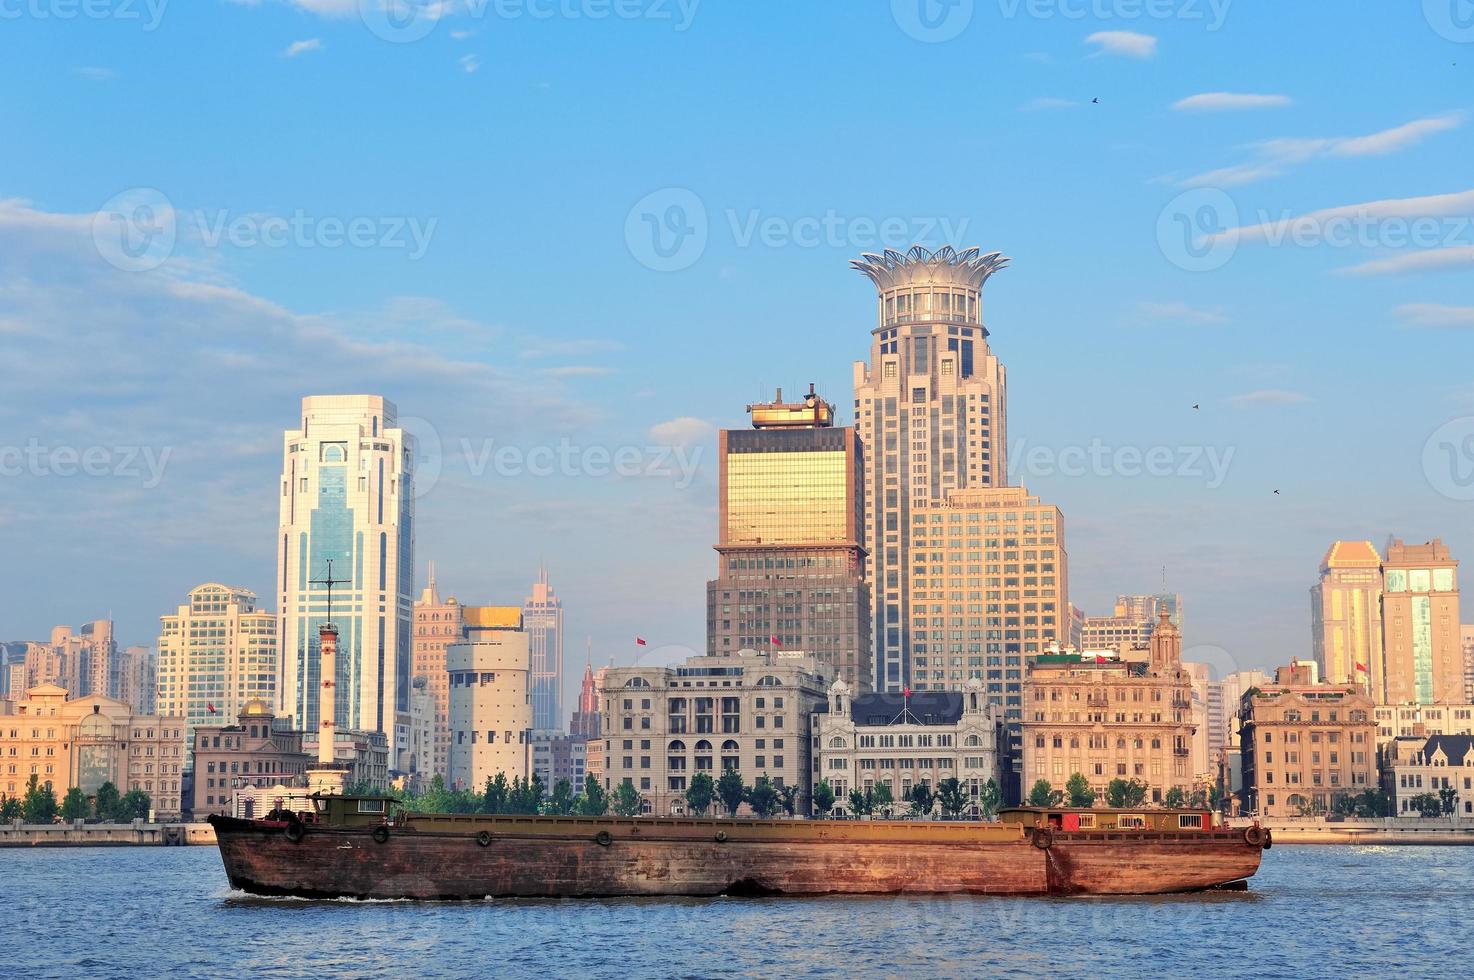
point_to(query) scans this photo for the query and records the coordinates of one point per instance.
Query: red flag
(773, 640)
(640, 641)
(905, 692)
(210, 708)
(1362, 668)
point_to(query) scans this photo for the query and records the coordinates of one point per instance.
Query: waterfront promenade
(136, 834)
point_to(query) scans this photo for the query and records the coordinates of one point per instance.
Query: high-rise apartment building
(1423, 652)
(1346, 616)
(490, 698)
(791, 573)
(137, 679)
(931, 412)
(217, 653)
(347, 513)
(1466, 634)
(81, 660)
(1148, 608)
(438, 624)
(1114, 633)
(542, 618)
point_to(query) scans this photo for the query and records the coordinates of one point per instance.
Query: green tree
(39, 805)
(1045, 795)
(862, 804)
(951, 797)
(763, 798)
(1449, 798)
(701, 793)
(498, 795)
(627, 800)
(560, 803)
(107, 803)
(731, 790)
(1216, 798)
(1174, 799)
(593, 801)
(883, 798)
(526, 796)
(788, 799)
(823, 798)
(1427, 805)
(921, 799)
(1079, 791)
(10, 809)
(74, 805)
(1122, 794)
(134, 805)
(989, 799)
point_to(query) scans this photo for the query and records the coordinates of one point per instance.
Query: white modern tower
(930, 407)
(347, 496)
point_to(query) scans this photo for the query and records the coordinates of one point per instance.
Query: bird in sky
(1276, 493)
(1095, 101)
(1196, 408)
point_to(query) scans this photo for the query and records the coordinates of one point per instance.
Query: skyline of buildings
(542, 618)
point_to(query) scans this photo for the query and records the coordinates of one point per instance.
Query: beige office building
(253, 752)
(1466, 635)
(1346, 616)
(1108, 718)
(217, 653)
(1422, 642)
(1114, 633)
(490, 673)
(871, 740)
(1303, 744)
(438, 623)
(1421, 720)
(930, 407)
(752, 713)
(89, 741)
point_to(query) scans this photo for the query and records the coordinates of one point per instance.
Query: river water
(1312, 911)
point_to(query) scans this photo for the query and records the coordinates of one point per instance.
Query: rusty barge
(360, 847)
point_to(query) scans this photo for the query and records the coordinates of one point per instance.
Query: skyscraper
(1346, 616)
(585, 723)
(790, 573)
(1148, 608)
(931, 412)
(490, 698)
(217, 652)
(438, 624)
(1420, 625)
(1466, 633)
(347, 498)
(542, 618)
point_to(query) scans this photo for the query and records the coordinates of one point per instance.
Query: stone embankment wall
(105, 834)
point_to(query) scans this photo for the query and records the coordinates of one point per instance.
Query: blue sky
(502, 284)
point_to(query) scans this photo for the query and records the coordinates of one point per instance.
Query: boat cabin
(1094, 818)
(352, 811)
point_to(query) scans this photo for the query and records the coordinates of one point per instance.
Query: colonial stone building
(1111, 718)
(1304, 744)
(1419, 766)
(901, 742)
(662, 725)
(254, 752)
(88, 741)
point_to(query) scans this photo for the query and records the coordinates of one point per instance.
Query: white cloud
(1427, 260)
(302, 47)
(95, 73)
(1180, 313)
(1275, 157)
(469, 63)
(1436, 315)
(1034, 105)
(1229, 102)
(1404, 209)
(1127, 44)
(578, 371)
(683, 431)
(1265, 397)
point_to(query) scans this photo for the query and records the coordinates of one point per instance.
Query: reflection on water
(1311, 911)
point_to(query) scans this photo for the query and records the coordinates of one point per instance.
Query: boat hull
(568, 857)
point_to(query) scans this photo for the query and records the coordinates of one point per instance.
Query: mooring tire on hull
(294, 831)
(1268, 839)
(721, 837)
(1043, 838)
(1254, 836)
(381, 833)
(603, 838)
(484, 838)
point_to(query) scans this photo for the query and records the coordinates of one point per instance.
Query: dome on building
(256, 708)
